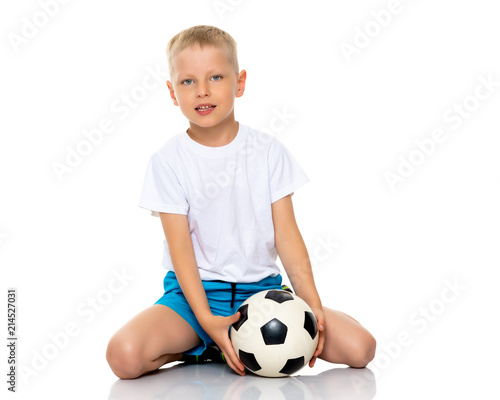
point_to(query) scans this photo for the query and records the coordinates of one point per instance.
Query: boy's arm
(295, 259)
(181, 250)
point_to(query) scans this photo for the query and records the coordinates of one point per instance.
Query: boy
(223, 193)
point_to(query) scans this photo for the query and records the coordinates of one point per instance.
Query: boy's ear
(242, 77)
(172, 93)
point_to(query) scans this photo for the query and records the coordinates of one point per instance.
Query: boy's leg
(152, 338)
(346, 341)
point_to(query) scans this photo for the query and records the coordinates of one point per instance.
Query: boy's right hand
(217, 328)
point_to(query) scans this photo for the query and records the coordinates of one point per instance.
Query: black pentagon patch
(310, 324)
(274, 332)
(292, 365)
(243, 317)
(279, 296)
(249, 360)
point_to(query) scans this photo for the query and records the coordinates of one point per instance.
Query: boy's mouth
(204, 109)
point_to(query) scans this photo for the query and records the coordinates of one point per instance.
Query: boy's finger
(321, 343)
(230, 349)
(319, 349)
(234, 318)
(235, 364)
(232, 354)
(235, 360)
(233, 367)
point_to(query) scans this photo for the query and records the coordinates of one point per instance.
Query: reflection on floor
(217, 381)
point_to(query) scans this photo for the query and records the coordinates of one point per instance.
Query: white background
(351, 120)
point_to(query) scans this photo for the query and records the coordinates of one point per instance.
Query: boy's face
(204, 85)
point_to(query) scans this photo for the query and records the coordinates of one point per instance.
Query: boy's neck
(214, 136)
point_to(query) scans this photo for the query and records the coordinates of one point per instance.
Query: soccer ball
(276, 334)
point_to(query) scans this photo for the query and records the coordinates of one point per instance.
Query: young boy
(223, 192)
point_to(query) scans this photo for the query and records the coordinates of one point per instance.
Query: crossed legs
(158, 335)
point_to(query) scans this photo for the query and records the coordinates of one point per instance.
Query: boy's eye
(187, 82)
(216, 78)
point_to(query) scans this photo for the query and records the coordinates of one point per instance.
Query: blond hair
(203, 35)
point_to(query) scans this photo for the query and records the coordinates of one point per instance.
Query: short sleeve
(161, 190)
(285, 173)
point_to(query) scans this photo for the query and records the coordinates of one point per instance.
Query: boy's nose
(202, 90)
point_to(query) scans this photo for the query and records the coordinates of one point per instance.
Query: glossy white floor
(217, 382)
(442, 369)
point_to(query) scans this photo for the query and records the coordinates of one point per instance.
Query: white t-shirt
(226, 192)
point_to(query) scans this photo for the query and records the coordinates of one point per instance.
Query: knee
(363, 352)
(124, 357)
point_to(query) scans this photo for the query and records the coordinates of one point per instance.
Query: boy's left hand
(320, 320)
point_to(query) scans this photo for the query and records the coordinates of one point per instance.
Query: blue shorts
(224, 298)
